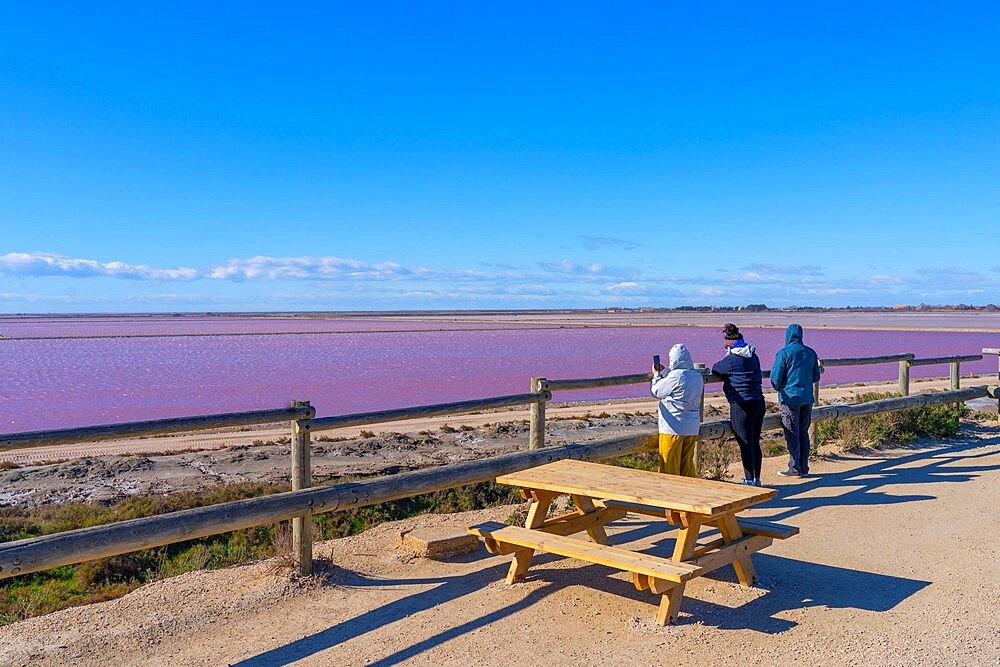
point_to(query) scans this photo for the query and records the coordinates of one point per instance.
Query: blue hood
(793, 334)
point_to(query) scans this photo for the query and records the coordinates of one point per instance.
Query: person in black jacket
(740, 372)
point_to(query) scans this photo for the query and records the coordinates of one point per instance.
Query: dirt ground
(893, 566)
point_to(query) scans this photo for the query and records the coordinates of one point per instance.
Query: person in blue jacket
(742, 385)
(795, 370)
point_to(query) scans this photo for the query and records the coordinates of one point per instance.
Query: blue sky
(372, 156)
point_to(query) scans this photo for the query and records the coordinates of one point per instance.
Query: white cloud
(47, 264)
(567, 283)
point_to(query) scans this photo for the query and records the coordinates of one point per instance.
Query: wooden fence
(299, 504)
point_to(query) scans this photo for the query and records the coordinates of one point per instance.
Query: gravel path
(894, 565)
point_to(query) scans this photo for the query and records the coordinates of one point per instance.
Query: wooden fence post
(701, 416)
(904, 378)
(302, 539)
(814, 426)
(954, 375)
(536, 439)
(996, 351)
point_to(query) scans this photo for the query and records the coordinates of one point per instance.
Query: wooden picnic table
(604, 493)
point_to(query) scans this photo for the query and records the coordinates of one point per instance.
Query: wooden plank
(675, 492)
(574, 522)
(862, 361)
(461, 407)
(68, 436)
(768, 529)
(536, 518)
(635, 508)
(602, 554)
(596, 532)
(708, 546)
(745, 571)
(946, 360)
(670, 603)
(737, 552)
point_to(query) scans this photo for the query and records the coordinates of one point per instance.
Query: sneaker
(756, 482)
(747, 482)
(789, 473)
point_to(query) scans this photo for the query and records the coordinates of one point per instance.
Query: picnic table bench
(603, 493)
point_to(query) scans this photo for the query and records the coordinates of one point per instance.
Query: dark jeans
(795, 420)
(747, 417)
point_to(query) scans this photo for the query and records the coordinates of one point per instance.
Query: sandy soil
(894, 566)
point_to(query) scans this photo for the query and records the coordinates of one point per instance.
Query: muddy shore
(107, 472)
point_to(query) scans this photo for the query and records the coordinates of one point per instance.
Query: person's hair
(731, 332)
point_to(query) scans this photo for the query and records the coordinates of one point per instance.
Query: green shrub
(776, 449)
(715, 457)
(644, 460)
(901, 426)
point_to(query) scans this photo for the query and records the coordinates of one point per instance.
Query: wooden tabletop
(670, 492)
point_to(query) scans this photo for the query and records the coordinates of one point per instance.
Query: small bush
(715, 458)
(367, 434)
(645, 460)
(466, 427)
(776, 449)
(448, 429)
(901, 426)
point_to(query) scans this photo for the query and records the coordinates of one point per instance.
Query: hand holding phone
(656, 363)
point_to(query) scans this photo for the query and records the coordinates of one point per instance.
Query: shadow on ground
(827, 586)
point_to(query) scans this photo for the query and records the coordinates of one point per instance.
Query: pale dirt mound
(894, 566)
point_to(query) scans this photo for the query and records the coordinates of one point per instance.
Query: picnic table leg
(586, 505)
(731, 532)
(536, 517)
(670, 603)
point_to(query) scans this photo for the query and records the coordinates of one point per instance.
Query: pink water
(367, 364)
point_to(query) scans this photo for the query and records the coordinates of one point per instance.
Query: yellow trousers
(677, 454)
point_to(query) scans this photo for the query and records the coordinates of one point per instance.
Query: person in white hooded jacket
(680, 392)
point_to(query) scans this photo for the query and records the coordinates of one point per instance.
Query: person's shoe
(789, 473)
(756, 482)
(747, 482)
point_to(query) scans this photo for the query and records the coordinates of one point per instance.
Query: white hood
(746, 351)
(680, 357)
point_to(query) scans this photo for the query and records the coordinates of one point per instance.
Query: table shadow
(789, 584)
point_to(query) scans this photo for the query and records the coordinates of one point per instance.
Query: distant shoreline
(979, 321)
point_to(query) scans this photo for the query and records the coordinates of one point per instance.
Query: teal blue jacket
(795, 369)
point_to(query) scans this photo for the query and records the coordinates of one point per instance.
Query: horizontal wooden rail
(723, 429)
(864, 361)
(991, 350)
(639, 378)
(616, 380)
(945, 360)
(75, 546)
(461, 407)
(153, 427)
(594, 383)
